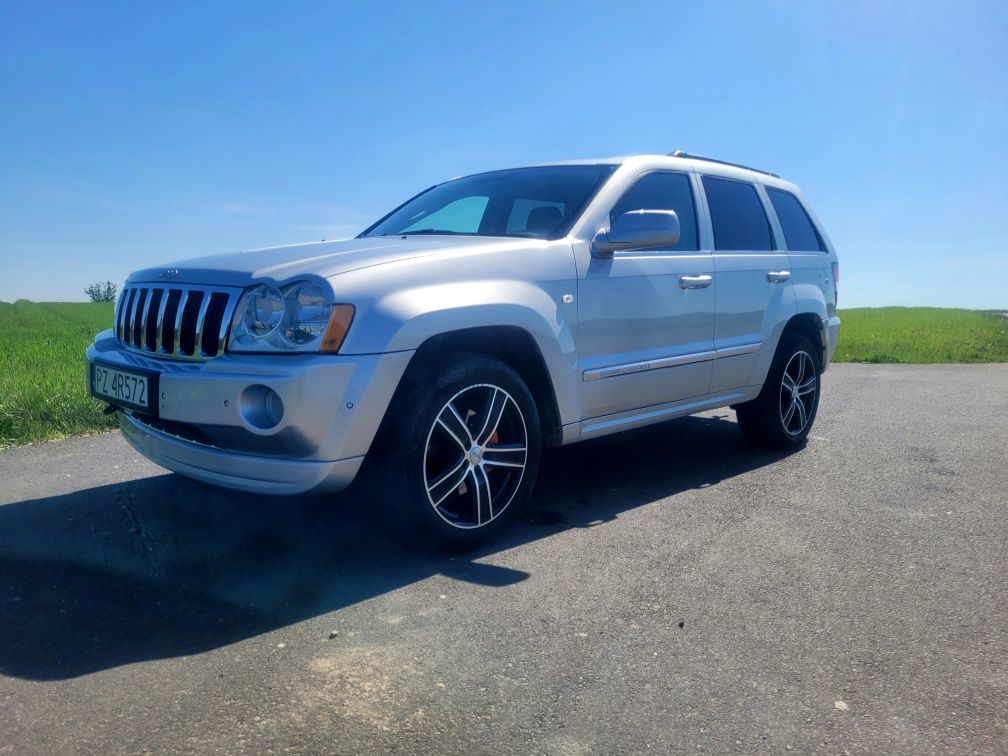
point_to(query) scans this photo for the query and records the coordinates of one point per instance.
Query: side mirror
(638, 229)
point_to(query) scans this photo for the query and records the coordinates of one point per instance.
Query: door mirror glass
(638, 229)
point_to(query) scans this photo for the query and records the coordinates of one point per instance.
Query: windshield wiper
(419, 231)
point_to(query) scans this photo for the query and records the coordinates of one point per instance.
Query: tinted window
(737, 215)
(540, 203)
(799, 233)
(663, 191)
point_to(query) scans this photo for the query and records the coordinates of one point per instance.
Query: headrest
(544, 220)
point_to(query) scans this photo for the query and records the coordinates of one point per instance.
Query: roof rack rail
(683, 154)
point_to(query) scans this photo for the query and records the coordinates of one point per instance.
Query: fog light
(274, 406)
(261, 407)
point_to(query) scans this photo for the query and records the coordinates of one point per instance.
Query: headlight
(264, 309)
(294, 318)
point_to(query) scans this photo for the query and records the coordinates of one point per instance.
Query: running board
(606, 424)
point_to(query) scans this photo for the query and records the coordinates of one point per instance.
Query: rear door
(646, 317)
(752, 279)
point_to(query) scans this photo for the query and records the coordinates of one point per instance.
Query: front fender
(403, 319)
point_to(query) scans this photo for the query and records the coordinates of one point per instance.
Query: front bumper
(242, 472)
(207, 427)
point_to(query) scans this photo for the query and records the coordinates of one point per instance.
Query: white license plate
(121, 387)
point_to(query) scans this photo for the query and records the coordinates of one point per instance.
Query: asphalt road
(669, 590)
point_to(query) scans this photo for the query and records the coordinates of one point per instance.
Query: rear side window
(737, 215)
(799, 233)
(663, 191)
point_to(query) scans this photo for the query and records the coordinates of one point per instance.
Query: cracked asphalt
(669, 590)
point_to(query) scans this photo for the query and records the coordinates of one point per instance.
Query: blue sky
(138, 133)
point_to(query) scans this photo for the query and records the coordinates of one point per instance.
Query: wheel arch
(810, 325)
(515, 347)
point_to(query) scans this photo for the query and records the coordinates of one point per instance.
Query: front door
(646, 318)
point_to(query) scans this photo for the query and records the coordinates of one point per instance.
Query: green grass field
(43, 379)
(921, 334)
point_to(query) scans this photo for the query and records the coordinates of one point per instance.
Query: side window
(737, 215)
(462, 216)
(799, 233)
(663, 191)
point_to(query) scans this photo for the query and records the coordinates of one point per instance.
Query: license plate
(123, 388)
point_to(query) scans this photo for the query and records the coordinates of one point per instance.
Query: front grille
(190, 322)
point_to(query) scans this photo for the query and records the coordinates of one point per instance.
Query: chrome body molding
(735, 351)
(666, 362)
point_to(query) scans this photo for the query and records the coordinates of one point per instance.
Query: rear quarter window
(800, 233)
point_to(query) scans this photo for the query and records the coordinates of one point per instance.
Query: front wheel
(458, 454)
(782, 415)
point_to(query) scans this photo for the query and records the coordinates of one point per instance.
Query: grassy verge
(43, 375)
(921, 334)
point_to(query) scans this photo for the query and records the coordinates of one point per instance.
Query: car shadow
(164, 566)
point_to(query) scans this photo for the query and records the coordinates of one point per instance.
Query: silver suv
(441, 349)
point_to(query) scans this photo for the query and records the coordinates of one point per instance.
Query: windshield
(536, 203)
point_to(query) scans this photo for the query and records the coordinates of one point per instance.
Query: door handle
(701, 281)
(778, 276)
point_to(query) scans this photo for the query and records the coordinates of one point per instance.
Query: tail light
(836, 282)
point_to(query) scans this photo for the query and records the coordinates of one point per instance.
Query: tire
(457, 454)
(783, 413)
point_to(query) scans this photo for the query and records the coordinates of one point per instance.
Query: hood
(322, 259)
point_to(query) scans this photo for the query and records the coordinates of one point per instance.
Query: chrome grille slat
(145, 318)
(128, 325)
(226, 322)
(176, 350)
(143, 306)
(124, 315)
(200, 320)
(118, 311)
(160, 321)
(136, 334)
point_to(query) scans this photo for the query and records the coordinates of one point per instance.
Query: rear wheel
(458, 454)
(782, 415)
